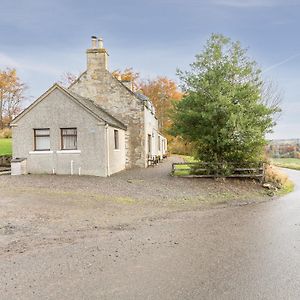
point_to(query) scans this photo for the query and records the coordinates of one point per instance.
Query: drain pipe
(107, 149)
(72, 167)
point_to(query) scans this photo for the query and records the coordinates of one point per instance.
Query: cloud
(281, 63)
(253, 3)
(8, 62)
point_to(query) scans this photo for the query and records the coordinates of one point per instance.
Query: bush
(5, 133)
(278, 179)
(178, 146)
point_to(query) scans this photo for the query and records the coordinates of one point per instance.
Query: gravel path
(59, 235)
(153, 183)
(36, 210)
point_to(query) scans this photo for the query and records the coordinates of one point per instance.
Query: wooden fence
(202, 170)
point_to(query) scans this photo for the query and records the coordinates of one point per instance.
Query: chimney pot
(100, 43)
(94, 42)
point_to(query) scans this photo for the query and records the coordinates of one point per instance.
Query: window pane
(69, 131)
(42, 132)
(149, 143)
(70, 142)
(42, 143)
(116, 136)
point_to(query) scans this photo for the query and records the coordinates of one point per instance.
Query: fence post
(263, 172)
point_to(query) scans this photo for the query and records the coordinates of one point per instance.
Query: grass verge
(290, 163)
(5, 146)
(279, 181)
(184, 170)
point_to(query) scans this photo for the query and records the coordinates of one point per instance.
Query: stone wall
(99, 85)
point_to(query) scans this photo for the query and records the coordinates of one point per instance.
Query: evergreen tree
(223, 111)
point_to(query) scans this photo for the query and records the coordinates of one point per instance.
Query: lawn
(184, 170)
(5, 146)
(290, 163)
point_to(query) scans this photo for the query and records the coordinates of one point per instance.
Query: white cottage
(98, 126)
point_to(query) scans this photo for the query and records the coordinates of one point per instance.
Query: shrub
(278, 179)
(5, 133)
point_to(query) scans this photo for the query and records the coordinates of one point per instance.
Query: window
(42, 139)
(149, 143)
(158, 143)
(116, 138)
(68, 138)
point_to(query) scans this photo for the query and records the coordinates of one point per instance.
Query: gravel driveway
(34, 207)
(60, 214)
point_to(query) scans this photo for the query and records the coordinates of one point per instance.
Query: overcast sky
(43, 39)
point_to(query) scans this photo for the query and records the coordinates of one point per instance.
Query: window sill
(68, 151)
(40, 152)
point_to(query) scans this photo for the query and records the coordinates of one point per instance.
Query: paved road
(246, 252)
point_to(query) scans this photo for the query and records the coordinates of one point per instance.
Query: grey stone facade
(98, 84)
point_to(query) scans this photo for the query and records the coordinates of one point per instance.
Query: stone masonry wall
(98, 84)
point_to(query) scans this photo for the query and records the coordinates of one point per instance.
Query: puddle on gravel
(8, 229)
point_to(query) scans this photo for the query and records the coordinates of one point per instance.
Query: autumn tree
(162, 91)
(12, 91)
(67, 78)
(127, 75)
(226, 110)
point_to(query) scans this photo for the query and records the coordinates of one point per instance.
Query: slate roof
(142, 97)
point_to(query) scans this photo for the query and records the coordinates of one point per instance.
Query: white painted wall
(58, 111)
(116, 157)
(151, 128)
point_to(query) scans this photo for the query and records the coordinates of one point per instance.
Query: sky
(43, 39)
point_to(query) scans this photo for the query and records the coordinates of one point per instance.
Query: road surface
(243, 252)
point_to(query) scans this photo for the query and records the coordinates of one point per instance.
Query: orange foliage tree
(127, 75)
(162, 91)
(11, 95)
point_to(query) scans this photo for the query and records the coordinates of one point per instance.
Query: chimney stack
(97, 58)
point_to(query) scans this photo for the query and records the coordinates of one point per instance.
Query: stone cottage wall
(99, 85)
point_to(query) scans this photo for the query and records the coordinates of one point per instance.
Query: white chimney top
(94, 42)
(100, 43)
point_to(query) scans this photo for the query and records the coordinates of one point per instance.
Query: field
(290, 163)
(5, 146)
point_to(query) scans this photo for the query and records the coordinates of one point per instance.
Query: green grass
(5, 147)
(290, 163)
(189, 159)
(287, 188)
(184, 170)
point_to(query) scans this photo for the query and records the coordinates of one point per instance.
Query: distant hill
(285, 142)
